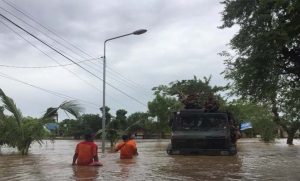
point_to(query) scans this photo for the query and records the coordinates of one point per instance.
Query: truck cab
(195, 131)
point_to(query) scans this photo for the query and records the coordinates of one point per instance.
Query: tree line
(264, 64)
(19, 132)
(263, 67)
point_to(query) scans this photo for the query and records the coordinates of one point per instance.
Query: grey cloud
(182, 41)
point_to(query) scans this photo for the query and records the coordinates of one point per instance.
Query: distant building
(140, 133)
(52, 127)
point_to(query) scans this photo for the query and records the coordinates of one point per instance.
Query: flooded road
(254, 161)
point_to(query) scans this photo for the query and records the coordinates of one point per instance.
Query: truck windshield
(200, 121)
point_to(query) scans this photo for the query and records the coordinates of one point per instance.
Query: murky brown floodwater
(255, 161)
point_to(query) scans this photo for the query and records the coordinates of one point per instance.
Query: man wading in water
(86, 152)
(127, 149)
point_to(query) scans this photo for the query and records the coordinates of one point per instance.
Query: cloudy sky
(182, 41)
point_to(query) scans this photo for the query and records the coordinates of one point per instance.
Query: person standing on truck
(211, 105)
(127, 149)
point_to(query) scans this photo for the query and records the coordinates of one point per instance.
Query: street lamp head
(138, 32)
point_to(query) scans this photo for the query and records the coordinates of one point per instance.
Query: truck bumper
(196, 151)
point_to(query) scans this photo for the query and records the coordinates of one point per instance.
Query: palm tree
(70, 107)
(2, 117)
(11, 107)
(17, 141)
(22, 132)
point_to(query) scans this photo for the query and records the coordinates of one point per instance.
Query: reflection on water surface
(254, 161)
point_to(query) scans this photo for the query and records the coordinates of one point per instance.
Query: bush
(268, 131)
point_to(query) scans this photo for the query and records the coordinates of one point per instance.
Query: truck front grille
(199, 143)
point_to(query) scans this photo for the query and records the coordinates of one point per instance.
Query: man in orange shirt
(86, 152)
(133, 142)
(127, 149)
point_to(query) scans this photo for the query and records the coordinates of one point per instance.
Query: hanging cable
(51, 57)
(26, 14)
(88, 83)
(43, 42)
(48, 91)
(45, 67)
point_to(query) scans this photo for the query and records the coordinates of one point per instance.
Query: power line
(121, 81)
(129, 82)
(112, 78)
(47, 28)
(43, 42)
(46, 90)
(88, 83)
(41, 33)
(118, 75)
(76, 47)
(91, 85)
(57, 94)
(44, 67)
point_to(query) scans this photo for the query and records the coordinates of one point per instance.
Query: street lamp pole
(137, 32)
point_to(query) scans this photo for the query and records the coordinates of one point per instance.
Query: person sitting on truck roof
(211, 105)
(191, 101)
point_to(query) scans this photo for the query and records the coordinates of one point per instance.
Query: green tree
(178, 94)
(21, 132)
(18, 131)
(2, 117)
(70, 107)
(72, 127)
(91, 121)
(121, 118)
(195, 89)
(142, 120)
(265, 66)
(108, 116)
(161, 107)
(289, 109)
(258, 115)
(112, 133)
(76, 128)
(137, 119)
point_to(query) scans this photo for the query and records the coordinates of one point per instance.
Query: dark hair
(88, 136)
(125, 137)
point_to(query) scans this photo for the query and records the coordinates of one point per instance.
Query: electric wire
(70, 49)
(26, 14)
(48, 91)
(122, 80)
(88, 83)
(38, 31)
(45, 67)
(50, 57)
(60, 53)
(113, 78)
(128, 83)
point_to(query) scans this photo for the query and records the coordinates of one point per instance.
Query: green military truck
(195, 131)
